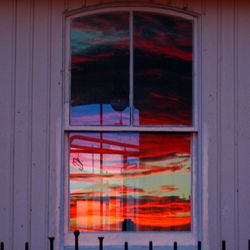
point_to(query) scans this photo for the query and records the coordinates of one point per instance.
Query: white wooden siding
(22, 123)
(7, 64)
(226, 130)
(31, 111)
(242, 121)
(209, 121)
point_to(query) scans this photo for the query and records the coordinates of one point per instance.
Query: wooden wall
(31, 111)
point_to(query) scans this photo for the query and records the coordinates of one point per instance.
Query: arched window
(131, 125)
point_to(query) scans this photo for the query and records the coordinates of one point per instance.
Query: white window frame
(138, 239)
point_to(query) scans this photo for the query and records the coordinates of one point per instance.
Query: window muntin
(187, 237)
(130, 181)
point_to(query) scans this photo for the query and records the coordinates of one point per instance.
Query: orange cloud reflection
(108, 214)
(126, 182)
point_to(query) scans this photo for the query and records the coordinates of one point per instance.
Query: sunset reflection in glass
(162, 70)
(130, 181)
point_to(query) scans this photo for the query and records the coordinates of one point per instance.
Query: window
(130, 124)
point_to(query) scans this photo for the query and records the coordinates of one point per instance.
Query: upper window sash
(119, 120)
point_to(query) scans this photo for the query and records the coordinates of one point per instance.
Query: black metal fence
(126, 246)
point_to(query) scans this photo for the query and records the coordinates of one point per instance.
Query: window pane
(130, 181)
(162, 70)
(100, 70)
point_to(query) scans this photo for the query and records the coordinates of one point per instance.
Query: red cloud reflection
(151, 145)
(150, 46)
(147, 214)
(97, 57)
(149, 172)
(99, 23)
(123, 168)
(163, 35)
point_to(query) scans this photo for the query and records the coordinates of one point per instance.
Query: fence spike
(51, 243)
(199, 245)
(150, 245)
(76, 233)
(26, 245)
(2, 246)
(125, 245)
(223, 245)
(175, 245)
(101, 243)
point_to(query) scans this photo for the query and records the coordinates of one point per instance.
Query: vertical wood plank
(194, 5)
(227, 115)
(75, 4)
(243, 120)
(162, 2)
(100, 2)
(7, 64)
(94, 2)
(178, 3)
(22, 126)
(210, 133)
(40, 144)
(56, 112)
(66, 5)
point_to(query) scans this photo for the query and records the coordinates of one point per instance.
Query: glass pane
(130, 181)
(100, 70)
(162, 70)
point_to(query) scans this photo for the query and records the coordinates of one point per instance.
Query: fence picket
(76, 233)
(125, 245)
(101, 243)
(150, 245)
(51, 243)
(175, 246)
(223, 247)
(199, 245)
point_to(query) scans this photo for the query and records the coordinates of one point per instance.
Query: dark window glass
(130, 181)
(162, 70)
(100, 70)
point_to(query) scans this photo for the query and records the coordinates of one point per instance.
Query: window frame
(89, 239)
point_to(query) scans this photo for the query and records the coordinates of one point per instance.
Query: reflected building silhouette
(128, 225)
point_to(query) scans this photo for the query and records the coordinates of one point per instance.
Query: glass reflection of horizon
(99, 115)
(130, 182)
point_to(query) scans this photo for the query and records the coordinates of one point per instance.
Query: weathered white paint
(56, 133)
(7, 62)
(31, 118)
(242, 120)
(209, 121)
(226, 128)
